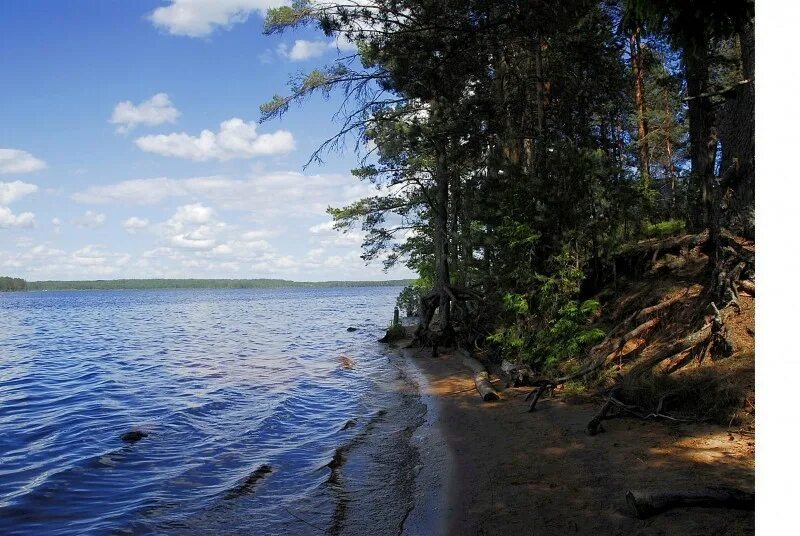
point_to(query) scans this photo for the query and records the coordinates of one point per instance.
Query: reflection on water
(242, 398)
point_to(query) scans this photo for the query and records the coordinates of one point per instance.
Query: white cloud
(155, 111)
(11, 191)
(9, 219)
(140, 191)
(134, 224)
(303, 50)
(235, 139)
(192, 226)
(198, 18)
(326, 236)
(278, 193)
(343, 44)
(16, 161)
(90, 220)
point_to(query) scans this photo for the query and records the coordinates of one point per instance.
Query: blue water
(223, 382)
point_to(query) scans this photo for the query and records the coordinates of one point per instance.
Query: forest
(533, 160)
(119, 284)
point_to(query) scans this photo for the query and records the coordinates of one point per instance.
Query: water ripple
(223, 383)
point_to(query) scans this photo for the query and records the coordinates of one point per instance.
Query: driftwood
(481, 377)
(748, 286)
(646, 504)
(605, 414)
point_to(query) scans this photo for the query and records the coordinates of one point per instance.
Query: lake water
(223, 382)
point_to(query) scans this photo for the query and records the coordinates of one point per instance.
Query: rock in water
(133, 436)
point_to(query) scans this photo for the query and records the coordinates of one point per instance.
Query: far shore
(166, 284)
(515, 472)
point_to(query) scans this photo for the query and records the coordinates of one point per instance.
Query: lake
(254, 424)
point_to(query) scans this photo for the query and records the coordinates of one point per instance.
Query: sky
(130, 146)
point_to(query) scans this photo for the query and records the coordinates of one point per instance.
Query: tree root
(595, 425)
(649, 311)
(548, 384)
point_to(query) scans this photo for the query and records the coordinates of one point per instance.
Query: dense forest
(8, 284)
(118, 284)
(523, 153)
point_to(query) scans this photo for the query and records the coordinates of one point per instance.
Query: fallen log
(481, 378)
(646, 504)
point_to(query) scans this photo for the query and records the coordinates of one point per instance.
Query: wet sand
(540, 473)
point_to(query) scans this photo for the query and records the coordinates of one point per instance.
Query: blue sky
(130, 146)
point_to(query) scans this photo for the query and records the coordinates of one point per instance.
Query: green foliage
(663, 229)
(551, 344)
(281, 18)
(410, 297)
(568, 336)
(558, 288)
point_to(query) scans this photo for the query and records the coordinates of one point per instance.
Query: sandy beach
(514, 472)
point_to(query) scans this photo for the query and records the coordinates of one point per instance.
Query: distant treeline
(115, 284)
(12, 283)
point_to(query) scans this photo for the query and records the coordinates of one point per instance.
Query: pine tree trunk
(737, 137)
(702, 140)
(441, 241)
(637, 63)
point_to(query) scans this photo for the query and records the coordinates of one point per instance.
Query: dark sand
(514, 472)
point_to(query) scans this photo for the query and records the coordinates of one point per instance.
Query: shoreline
(434, 478)
(510, 471)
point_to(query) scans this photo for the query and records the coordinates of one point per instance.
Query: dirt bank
(540, 473)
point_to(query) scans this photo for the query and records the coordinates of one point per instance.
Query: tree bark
(702, 138)
(441, 240)
(737, 137)
(637, 63)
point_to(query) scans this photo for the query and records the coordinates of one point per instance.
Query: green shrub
(566, 337)
(554, 342)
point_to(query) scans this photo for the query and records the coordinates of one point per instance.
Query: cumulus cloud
(11, 191)
(16, 161)
(193, 226)
(198, 18)
(8, 219)
(134, 224)
(235, 139)
(154, 111)
(90, 220)
(303, 49)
